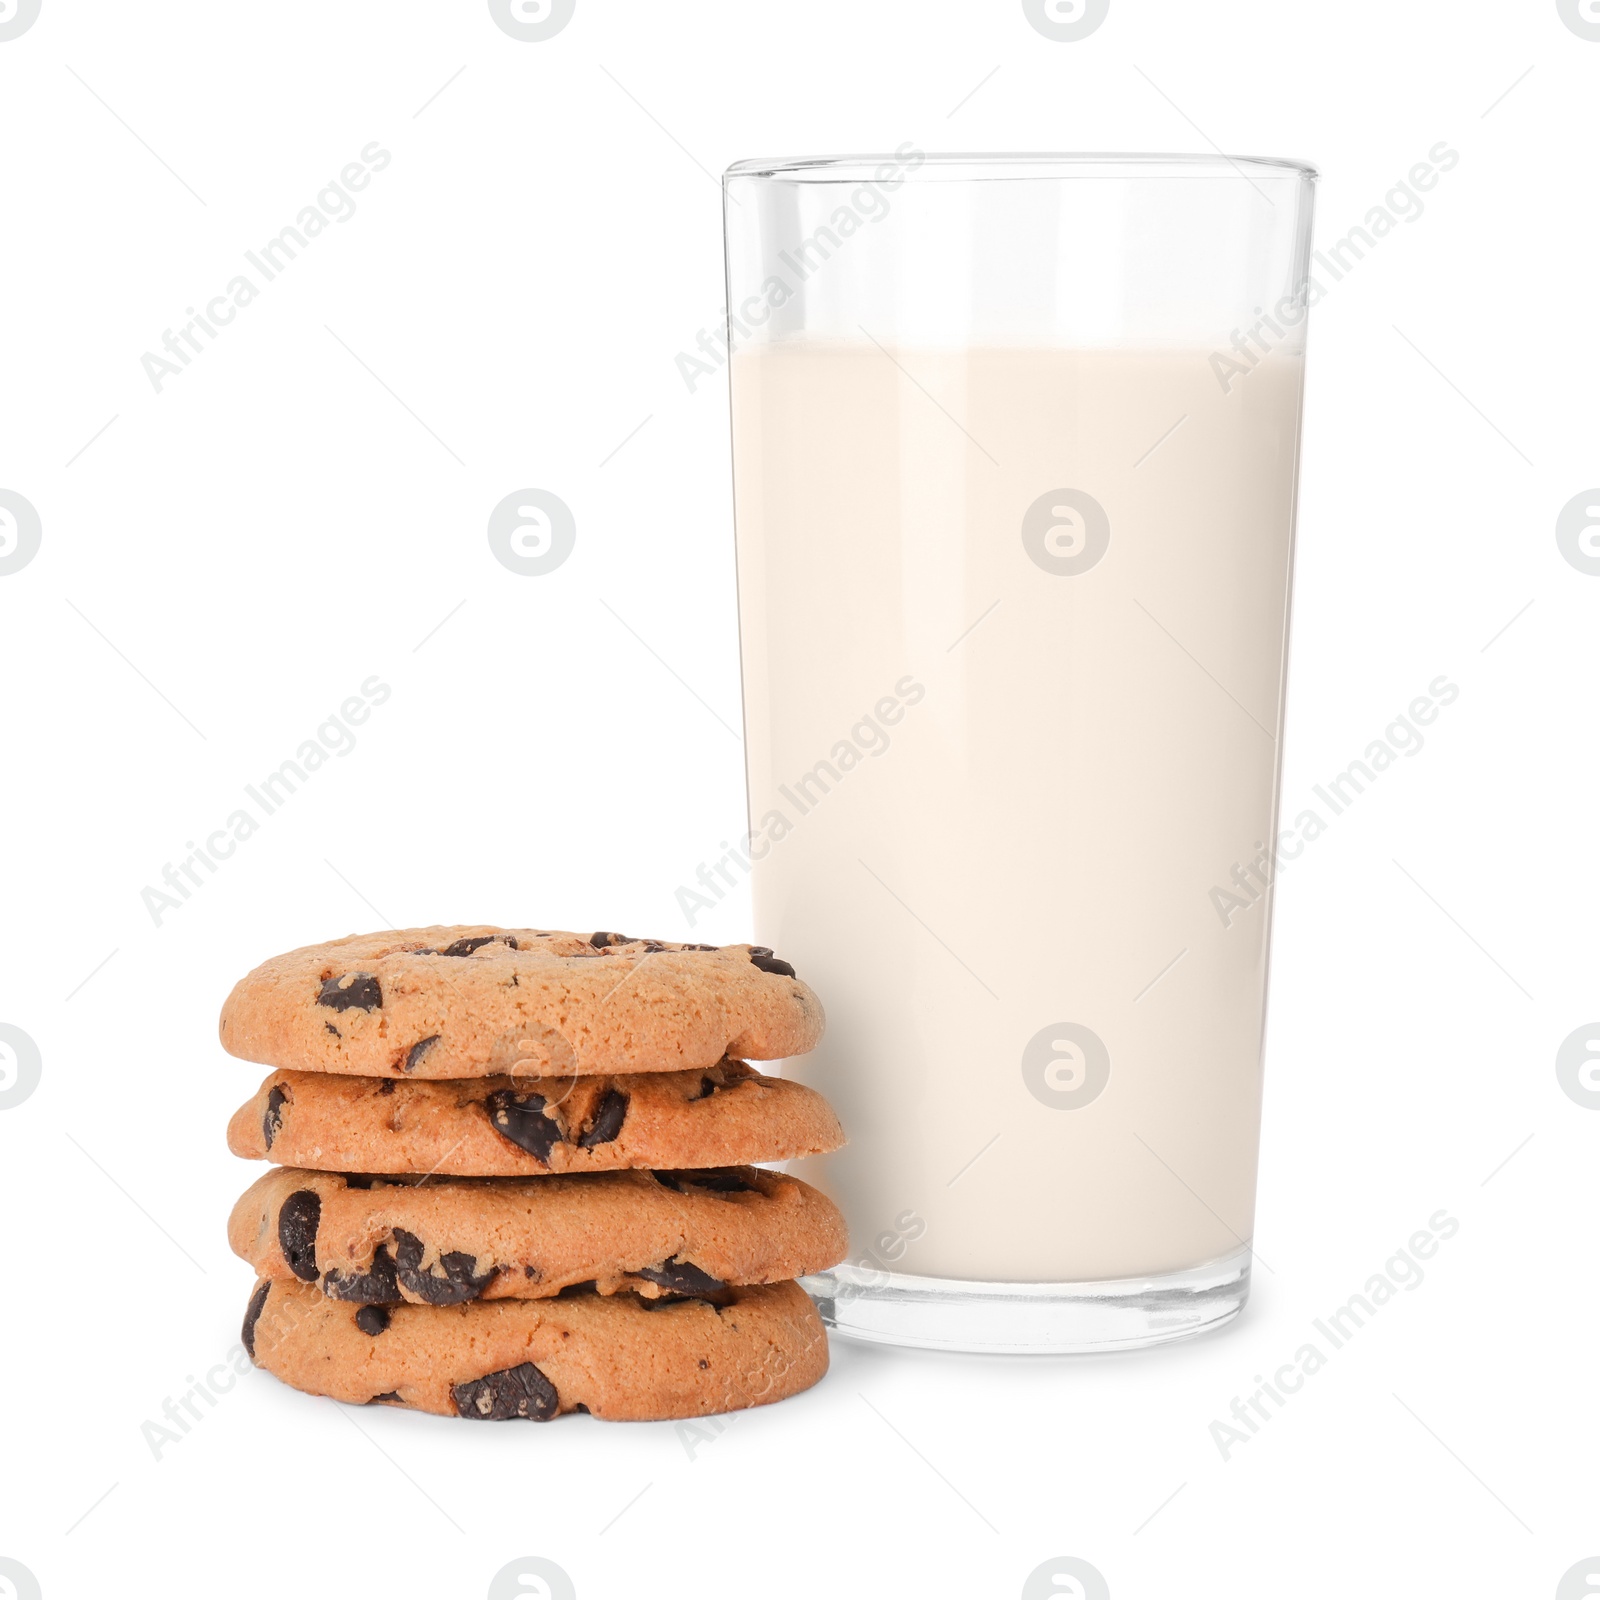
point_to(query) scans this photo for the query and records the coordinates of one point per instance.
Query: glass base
(1031, 1318)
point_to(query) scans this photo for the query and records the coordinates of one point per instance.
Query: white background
(223, 563)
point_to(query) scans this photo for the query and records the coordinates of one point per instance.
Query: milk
(1013, 645)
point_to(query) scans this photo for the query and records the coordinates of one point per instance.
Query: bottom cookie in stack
(617, 1356)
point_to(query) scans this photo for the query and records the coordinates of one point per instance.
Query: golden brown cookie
(725, 1116)
(619, 1358)
(470, 1002)
(441, 1242)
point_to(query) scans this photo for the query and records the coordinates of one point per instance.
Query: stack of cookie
(516, 1174)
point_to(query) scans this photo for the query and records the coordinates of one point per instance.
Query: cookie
(437, 1243)
(618, 1358)
(725, 1116)
(472, 1002)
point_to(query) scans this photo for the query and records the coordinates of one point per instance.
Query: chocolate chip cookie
(374, 1241)
(471, 1002)
(617, 1357)
(725, 1116)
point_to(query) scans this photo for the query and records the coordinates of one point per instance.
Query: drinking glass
(1015, 445)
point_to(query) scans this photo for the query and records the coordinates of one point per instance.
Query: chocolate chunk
(574, 1290)
(297, 1232)
(388, 1396)
(518, 1392)
(581, 1407)
(351, 989)
(697, 947)
(386, 1086)
(465, 947)
(419, 1050)
(521, 1119)
(770, 963)
(601, 940)
(372, 1319)
(707, 1088)
(682, 1277)
(376, 1286)
(333, 1030)
(608, 1119)
(273, 1120)
(447, 1283)
(252, 1315)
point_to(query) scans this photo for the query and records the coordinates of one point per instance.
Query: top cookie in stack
(458, 1063)
(468, 1002)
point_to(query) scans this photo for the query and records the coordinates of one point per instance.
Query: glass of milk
(1015, 444)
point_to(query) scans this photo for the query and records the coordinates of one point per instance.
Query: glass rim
(981, 167)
